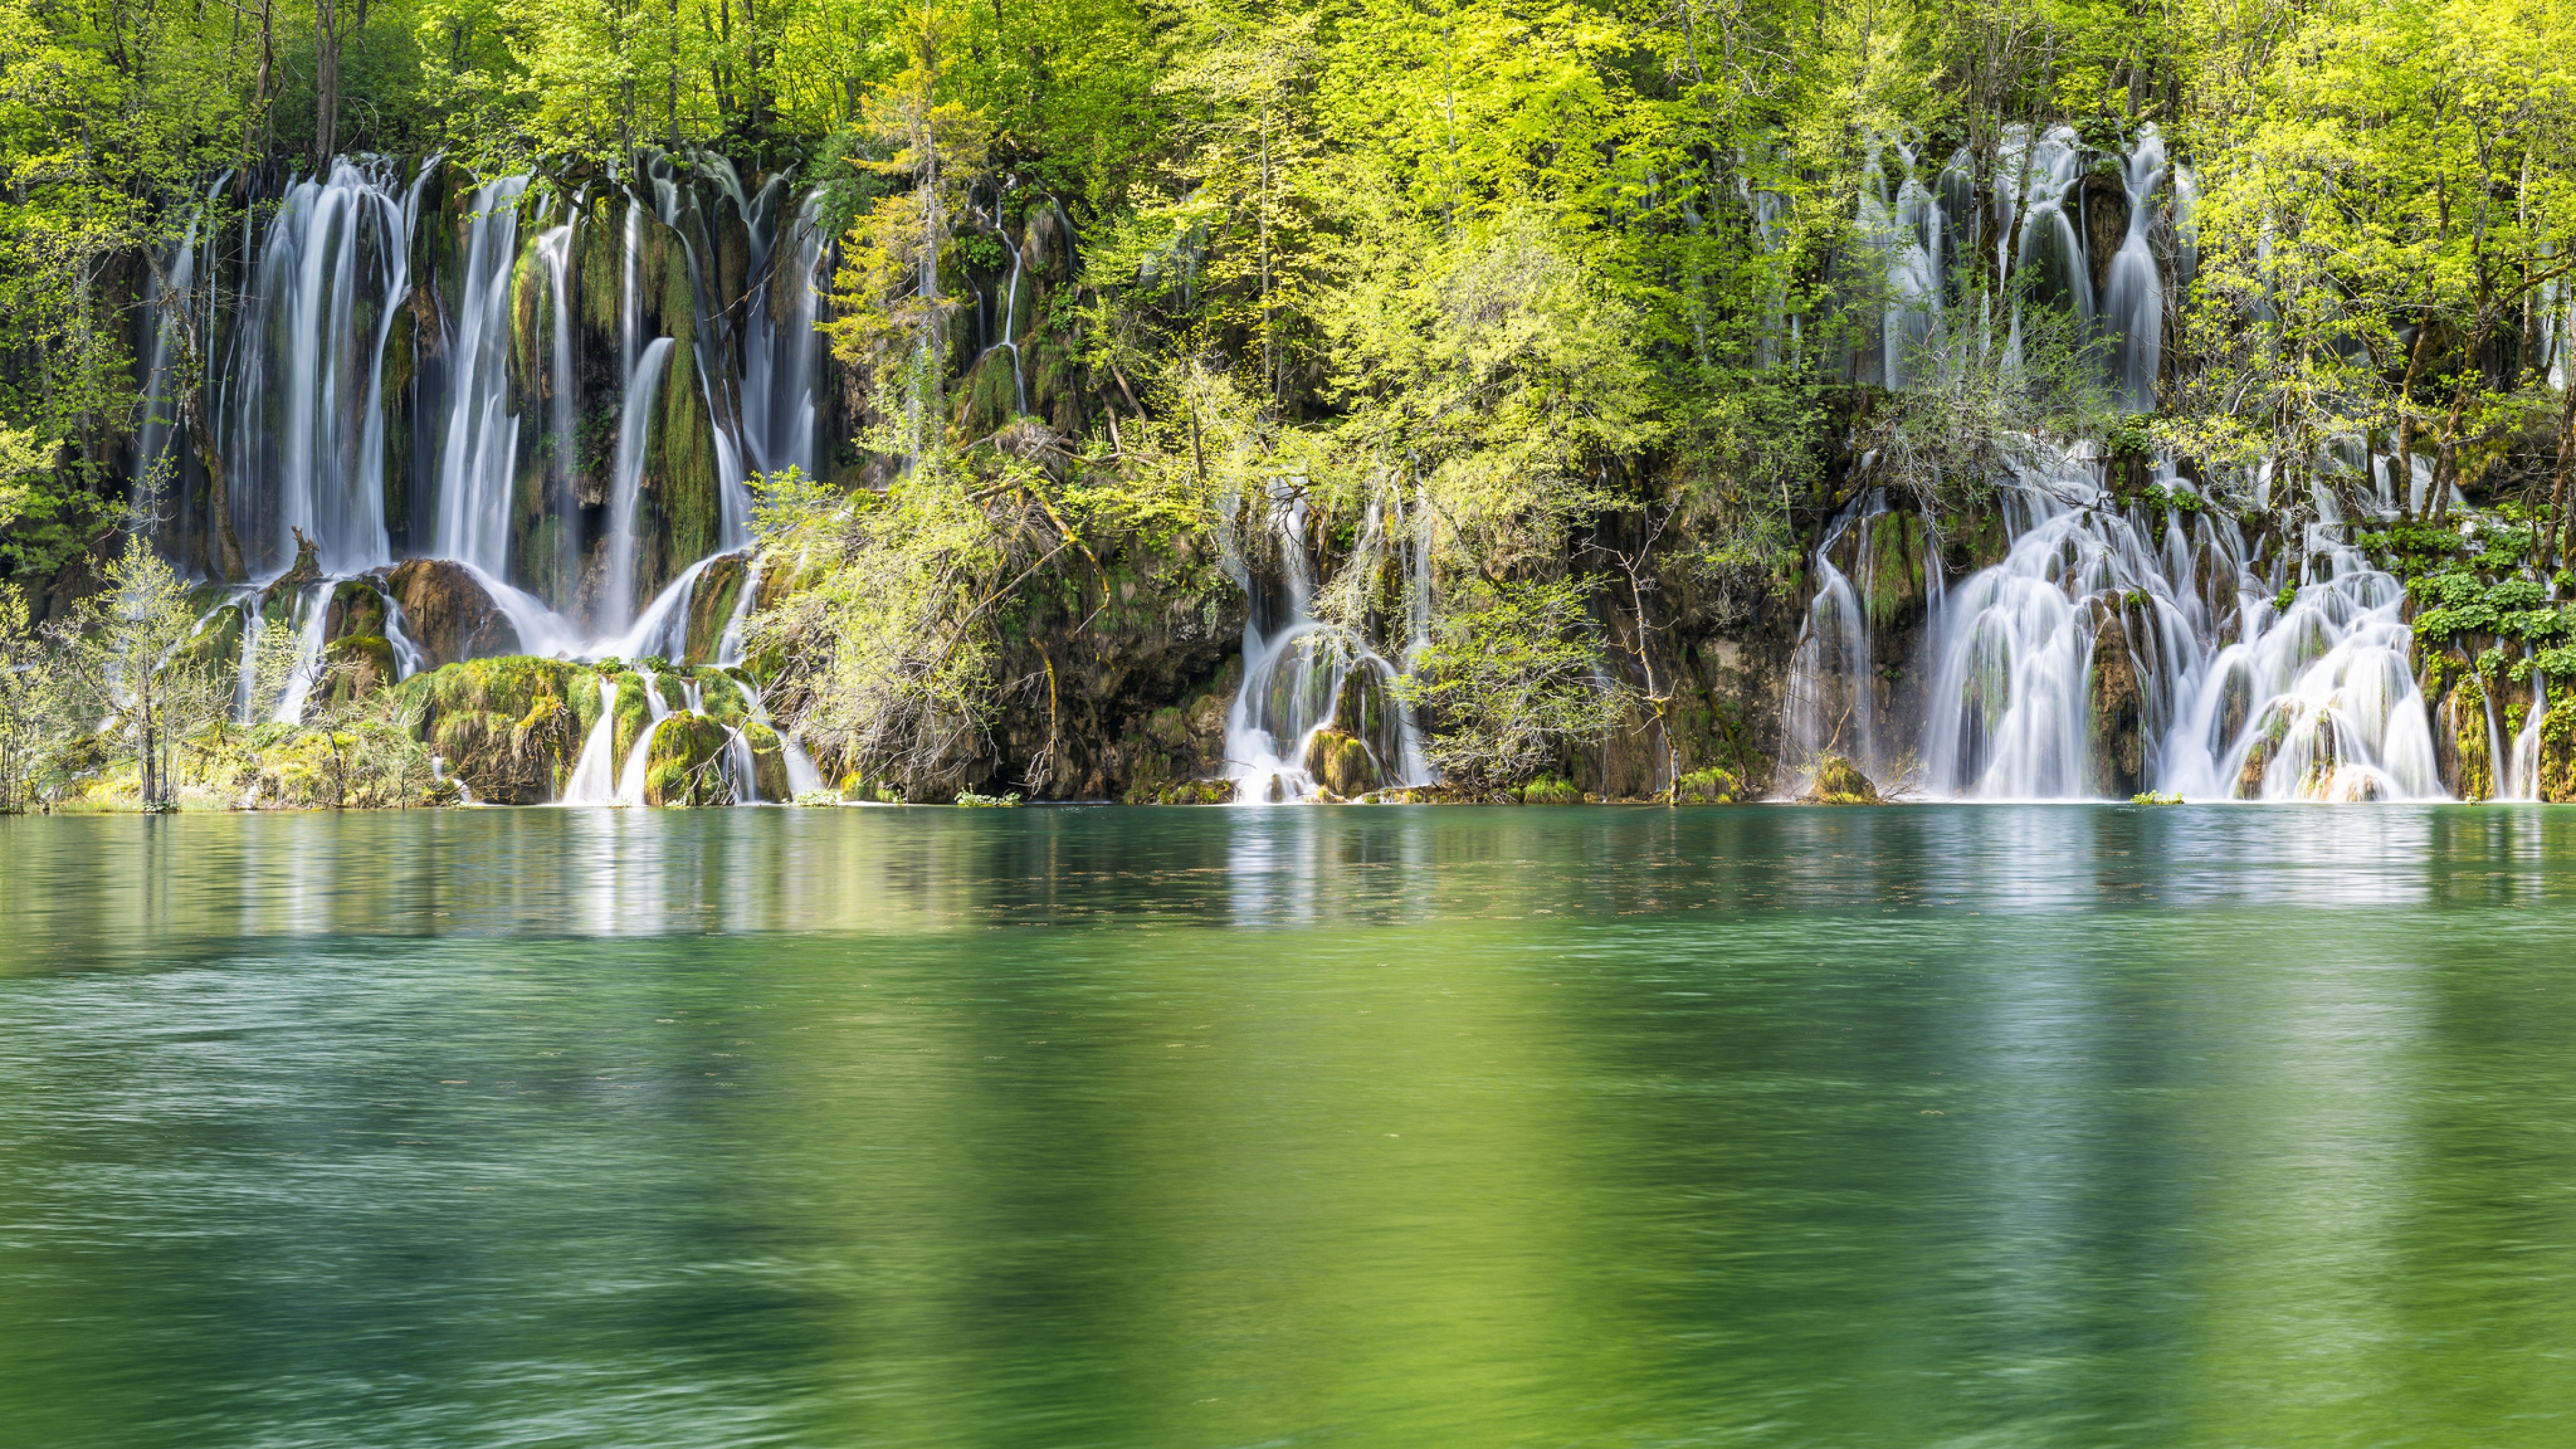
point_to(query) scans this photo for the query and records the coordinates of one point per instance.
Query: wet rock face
(2458, 701)
(1840, 782)
(448, 614)
(2116, 721)
(711, 604)
(2558, 754)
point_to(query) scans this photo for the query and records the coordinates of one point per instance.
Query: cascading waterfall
(2114, 649)
(630, 781)
(594, 772)
(482, 434)
(2133, 299)
(1010, 319)
(307, 297)
(305, 437)
(554, 251)
(1829, 707)
(312, 609)
(1296, 671)
(634, 430)
(2522, 780)
(780, 355)
(710, 334)
(2103, 657)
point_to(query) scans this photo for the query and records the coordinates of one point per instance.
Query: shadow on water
(1997, 1126)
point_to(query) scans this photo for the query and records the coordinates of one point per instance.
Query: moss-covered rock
(1839, 782)
(684, 765)
(2558, 753)
(510, 728)
(1341, 764)
(358, 665)
(357, 609)
(2461, 739)
(768, 762)
(1711, 786)
(712, 596)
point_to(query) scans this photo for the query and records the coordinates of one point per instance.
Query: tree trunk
(2406, 424)
(2446, 464)
(326, 81)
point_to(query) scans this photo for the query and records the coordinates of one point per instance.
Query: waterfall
(2104, 656)
(2133, 309)
(246, 677)
(554, 251)
(1010, 313)
(303, 416)
(630, 781)
(312, 609)
(616, 607)
(1830, 705)
(1907, 230)
(630, 295)
(154, 436)
(729, 645)
(482, 436)
(594, 779)
(2522, 780)
(780, 359)
(2051, 240)
(710, 341)
(314, 324)
(1296, 672)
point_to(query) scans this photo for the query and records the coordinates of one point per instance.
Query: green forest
(1566, 332)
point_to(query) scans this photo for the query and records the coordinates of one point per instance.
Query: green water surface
(2003, 1126)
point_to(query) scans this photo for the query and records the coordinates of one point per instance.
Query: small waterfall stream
(616, 609)
(482, 433)
(1303, 676)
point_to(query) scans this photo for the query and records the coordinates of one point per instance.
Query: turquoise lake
(1764, 1126)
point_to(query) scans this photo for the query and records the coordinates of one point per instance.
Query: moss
(682, 512)
(1341, 764)
(1549, 790)
(360, 664)
(1711, 786)
(1840, 782)
(768, 760)
(682, 767)
(721, 697)
(989, 396)
(634, 714)
(1896, 547)
(357, 607)
(2558, 753)
(2465, 716)
(711, 602)
(508, 727)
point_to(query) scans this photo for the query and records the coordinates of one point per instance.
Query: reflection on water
(1993, 1126)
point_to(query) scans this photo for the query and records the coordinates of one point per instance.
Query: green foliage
(1512, 671)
